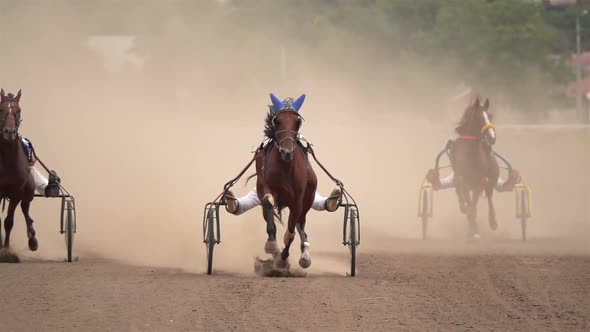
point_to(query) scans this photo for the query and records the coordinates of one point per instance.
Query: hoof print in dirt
(276, 269)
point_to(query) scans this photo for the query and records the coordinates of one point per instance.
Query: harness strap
(468, 137)
(488, 126)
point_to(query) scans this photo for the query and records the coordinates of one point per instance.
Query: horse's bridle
(16, 115)
(279, 143)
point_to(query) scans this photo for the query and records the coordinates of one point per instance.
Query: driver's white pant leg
(500, 184)
(319, 202)
(40, 181)
(248, 202)
(447, 182)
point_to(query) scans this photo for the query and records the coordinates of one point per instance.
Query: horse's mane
(9, 97)
(464, 121)
(269, 128)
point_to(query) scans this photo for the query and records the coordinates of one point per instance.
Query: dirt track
(393, 291)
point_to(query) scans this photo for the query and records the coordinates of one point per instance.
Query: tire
(523, 213)
(69, 231)
(424, 215)
(352, 243)
(210, 242)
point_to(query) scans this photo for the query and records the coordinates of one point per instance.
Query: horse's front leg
(268, 204)
(9, 221)
(462, 193)
(305, 259)
(491, 211)
(289, 232)
(33, 244)
(472, 213)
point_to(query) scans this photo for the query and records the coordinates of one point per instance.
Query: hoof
(304, 262)
(271, 247)
(493, 224)
(33, 244)
(463, 209)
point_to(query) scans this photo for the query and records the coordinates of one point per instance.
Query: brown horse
(16, 183)
(474, 166)
(285, 176)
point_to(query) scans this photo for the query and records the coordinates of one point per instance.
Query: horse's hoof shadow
(7, 256)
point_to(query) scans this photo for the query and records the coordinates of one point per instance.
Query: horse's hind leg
(33, 244)
(305, 259)
(9, 221)
(271, 229)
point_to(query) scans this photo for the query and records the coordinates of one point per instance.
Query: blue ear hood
(276, 103)
(298, 103)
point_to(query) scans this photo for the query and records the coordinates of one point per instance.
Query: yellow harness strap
(488, 126)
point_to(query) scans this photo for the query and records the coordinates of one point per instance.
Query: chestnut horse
(285, 177)
(473, 163)
(16, 183)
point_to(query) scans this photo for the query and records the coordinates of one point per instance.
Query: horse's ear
(299, 102)
(18, 95)
(276, 103)
(2, 94)
(486, 105)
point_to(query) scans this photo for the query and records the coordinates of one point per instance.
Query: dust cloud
(144, 148)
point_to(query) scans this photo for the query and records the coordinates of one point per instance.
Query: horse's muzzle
(9, 134)
(490, 136)
(286, 154)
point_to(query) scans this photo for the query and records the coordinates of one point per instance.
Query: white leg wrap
(40, 181)
(447, 182)
(248, 202)
(319, 202)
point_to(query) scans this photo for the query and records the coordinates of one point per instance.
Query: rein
(233, 181)
(47, 169)
(335, 180)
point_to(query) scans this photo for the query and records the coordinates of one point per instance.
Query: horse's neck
(11, 157)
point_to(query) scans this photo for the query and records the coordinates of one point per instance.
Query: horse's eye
(299, 122)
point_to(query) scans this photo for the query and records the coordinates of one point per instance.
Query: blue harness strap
(28, 147)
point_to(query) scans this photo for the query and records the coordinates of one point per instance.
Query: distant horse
(16, 183)
(474, 165)
(285, 177)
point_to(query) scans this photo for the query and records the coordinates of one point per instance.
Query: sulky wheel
(70, 230)
(523, 213)
(352, 242)
(210, 240)
(424, 214)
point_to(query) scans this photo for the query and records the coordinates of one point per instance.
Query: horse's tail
(248, 178)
